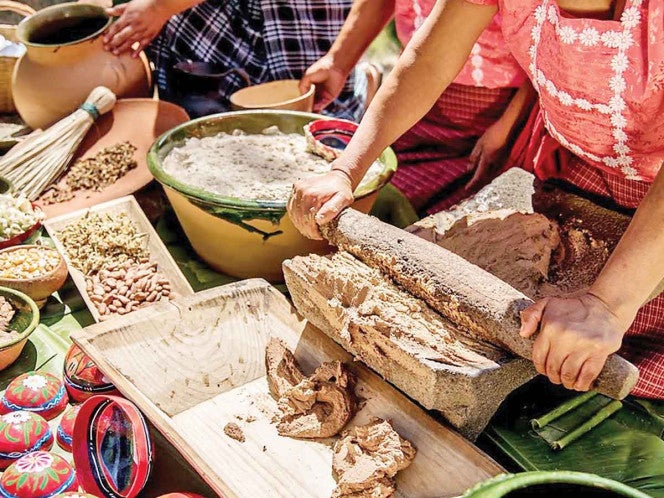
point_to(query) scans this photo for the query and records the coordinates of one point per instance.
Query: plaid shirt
(269, 39)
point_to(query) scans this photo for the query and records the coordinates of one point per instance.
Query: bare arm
(365, 20)
(636, 267)
(140, 21)
(488, 154)
(577, 334)
(427, 66)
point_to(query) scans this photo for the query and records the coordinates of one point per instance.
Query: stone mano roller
(467, 295)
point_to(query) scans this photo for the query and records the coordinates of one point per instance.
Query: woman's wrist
(618, 302)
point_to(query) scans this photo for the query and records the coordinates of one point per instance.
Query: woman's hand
(328, 78)
(486, 155)
(576, 335)
(140, 21)
(318, 200)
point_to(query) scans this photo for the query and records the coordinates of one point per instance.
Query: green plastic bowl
(25, 320)
(246, 238)
(559, 484)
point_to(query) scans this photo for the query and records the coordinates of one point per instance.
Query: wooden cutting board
(197, 363)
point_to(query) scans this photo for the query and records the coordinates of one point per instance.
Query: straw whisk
(40, 159)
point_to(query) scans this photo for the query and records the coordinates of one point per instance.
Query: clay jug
(65, 60)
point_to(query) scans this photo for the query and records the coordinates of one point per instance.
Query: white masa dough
(258, 167)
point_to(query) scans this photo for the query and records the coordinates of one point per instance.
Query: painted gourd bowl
(75, 494)
(36, 392)
(180, 495)
(82, 377)
(22, 433)
(38, 475)
(65, 431)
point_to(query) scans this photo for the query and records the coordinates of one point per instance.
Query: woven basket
(7, 63)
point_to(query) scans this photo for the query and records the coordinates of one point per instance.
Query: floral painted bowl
(22, 433)
(83, 378)
(36, 392)
(38, 475)
(65, 432)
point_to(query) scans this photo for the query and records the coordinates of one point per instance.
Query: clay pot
(65, 60)
(41, 287)
(282, 95)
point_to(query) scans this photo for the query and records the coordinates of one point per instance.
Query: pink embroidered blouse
(490, 64)
(600, 82)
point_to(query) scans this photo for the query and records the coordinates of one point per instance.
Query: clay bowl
(138, 121)
(25, 321)
(246, 238)
(278, 95)
(38, 288)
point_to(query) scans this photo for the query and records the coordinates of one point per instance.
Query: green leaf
(624, 447)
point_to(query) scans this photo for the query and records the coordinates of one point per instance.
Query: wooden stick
(462, 292)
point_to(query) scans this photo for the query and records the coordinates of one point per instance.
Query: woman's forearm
(514, 109)
(636, 267)
(427, 66)
(365, 21)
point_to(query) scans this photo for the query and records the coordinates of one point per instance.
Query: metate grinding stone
(82, 377)
(22, 433)
(36, 392)
(65, 431)
(38, 475)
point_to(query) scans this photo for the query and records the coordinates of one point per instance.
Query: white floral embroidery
(626, 40)
(35, 382)
(541, 79)
(478, 75)
(565, 98)
(551, 88)
(620, 135)
(630, 173)
(621, 148)
(532, 51)
(630, 17)
(535, 34)
(567, 35)
(617, 84)
(618, 120)
(583, 104)
(540, 14)
(619, 63)
(553, 15)
(617, 103)
(603, 108)
(16, 418)
(612, 39)
(625, 160)
(476, 60)
(589, 37)
(611, 162)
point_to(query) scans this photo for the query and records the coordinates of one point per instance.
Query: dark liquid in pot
(66, 30)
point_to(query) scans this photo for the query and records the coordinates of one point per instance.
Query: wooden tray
(197, 363)
(155, 246)
(138, 121)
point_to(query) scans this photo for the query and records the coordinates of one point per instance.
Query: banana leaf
(626, 447)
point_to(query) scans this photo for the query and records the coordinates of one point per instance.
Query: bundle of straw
(42, 157)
